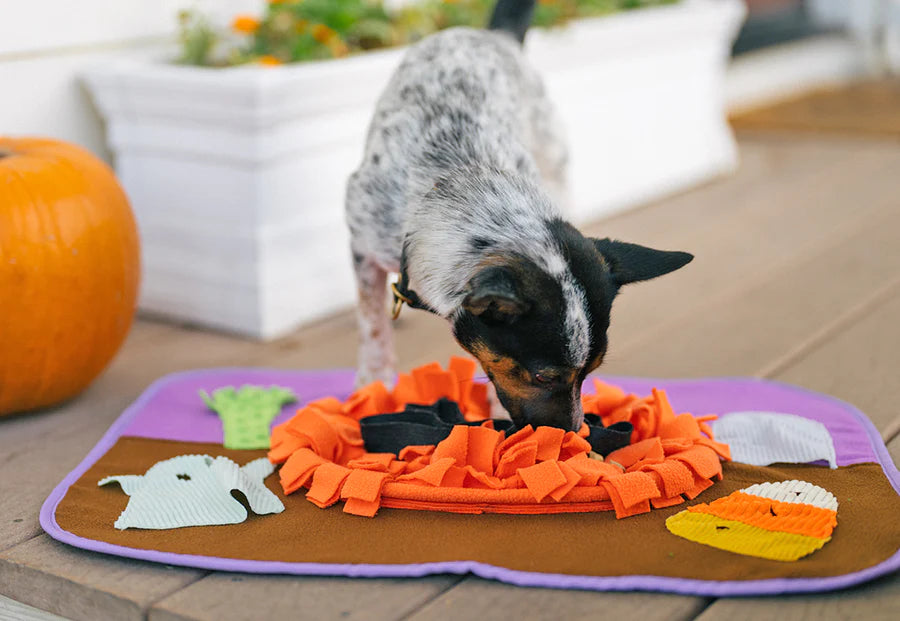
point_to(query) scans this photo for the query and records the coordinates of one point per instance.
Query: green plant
(197, 37)
(298, 30)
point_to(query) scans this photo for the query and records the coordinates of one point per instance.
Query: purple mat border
(684, 586)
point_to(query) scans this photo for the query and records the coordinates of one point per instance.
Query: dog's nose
(560, 413)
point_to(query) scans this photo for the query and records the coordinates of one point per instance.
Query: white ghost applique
(195, 490)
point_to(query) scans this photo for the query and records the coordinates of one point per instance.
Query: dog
(458, 192)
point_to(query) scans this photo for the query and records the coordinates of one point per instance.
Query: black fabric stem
(429, 424)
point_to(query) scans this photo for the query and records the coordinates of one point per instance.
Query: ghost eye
(183, 477)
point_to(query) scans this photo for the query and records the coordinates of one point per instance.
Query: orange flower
(322, 33)
(338, 47)
(268, 60)
(300, 26)
(245, 24)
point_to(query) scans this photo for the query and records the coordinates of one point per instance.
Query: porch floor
(797, 278)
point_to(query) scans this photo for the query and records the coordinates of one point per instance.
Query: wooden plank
(858, 364)
(11, 610)
(740, 332)
(86, 586)
(240, 597)
(791, 198)
(485, 600)
(876, 601)
(868, 107)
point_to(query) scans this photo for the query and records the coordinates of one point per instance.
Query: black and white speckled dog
(458, 188)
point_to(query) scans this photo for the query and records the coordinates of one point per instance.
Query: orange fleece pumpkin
(69, 271)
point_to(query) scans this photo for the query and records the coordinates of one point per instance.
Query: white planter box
(237, 175)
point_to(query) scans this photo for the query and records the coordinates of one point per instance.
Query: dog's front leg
(376, 338)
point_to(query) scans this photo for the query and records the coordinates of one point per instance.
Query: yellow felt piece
(742, 538)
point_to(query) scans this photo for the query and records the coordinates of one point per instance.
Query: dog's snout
(562, 412)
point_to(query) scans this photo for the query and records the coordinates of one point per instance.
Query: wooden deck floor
(797, 278)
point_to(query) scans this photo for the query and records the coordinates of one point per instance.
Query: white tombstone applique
(195, 490)
(763, 438)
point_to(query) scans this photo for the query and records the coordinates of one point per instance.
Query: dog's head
(539, 327)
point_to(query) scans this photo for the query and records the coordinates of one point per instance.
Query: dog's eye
(545, 379)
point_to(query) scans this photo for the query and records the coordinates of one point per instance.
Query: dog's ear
(631, 263)
(493, 295)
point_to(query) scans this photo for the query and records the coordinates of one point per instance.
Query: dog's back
(461, 99)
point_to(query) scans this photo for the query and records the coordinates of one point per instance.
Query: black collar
(403, 294)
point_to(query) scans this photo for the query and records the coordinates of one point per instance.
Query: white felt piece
(795, 491)
(249, 481)
(194, 490)
(763, 438)
(258, 469)
(128, 482)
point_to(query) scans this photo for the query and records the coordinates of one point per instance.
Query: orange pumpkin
(69, 271)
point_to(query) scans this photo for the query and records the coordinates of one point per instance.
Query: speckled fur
(462, 178)
(463, 156)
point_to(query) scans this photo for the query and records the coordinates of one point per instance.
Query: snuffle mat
(721, 486)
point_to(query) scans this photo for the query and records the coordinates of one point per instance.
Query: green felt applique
(247, 412)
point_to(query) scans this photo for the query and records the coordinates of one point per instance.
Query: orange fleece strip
(478, 469)
(327, 483)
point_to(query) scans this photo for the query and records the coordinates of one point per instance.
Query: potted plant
(237, 174)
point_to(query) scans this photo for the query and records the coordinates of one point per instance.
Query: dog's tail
(512, 16)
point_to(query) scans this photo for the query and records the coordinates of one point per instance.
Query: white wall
(46, 44)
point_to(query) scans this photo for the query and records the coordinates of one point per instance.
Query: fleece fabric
(478, 469)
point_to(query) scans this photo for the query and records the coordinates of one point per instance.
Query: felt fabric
(782, 521)
(478, 469)
(583, 544)
(194, 490)
(795, 491)
(763, 438)
(246, 413)
(743, 538)
(420, 425)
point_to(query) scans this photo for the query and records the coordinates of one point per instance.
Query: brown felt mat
(577, 544)
(866, 108)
